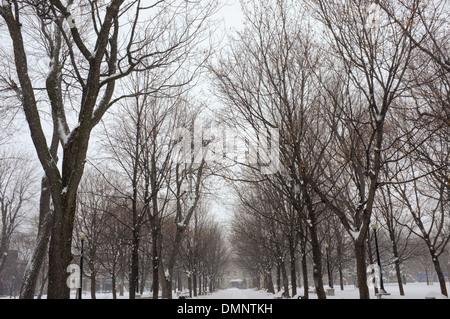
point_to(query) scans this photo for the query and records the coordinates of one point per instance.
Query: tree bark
(440, 274)
(311, 223)
(278, 277)
(60, 251)
(303, 260)
(285, 278)
(32, 271)
(341, 276)
(361, 269)
(93, 285)
(293, 266)
(134, 271)
(155, 257)
(268, 282)
(399, 276)
(166, 284)
(113, 285)
(317, 267)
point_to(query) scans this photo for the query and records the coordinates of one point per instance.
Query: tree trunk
(190, 285)
(397, 267)
(257, 282)
(64, 196)
(113, 285)
(268, 283)
(361, 269)
(121, 272)
(317, 267)
(43, 282)
(121, 287)
(440, 275)
(60, 251)
(155, 276)
(180, 283)
(278, 277)
(194, 281)
(304, 262)
(305, 277)
(155, 225)
(399, 276)
(166, 284)
(293, 272)
(311, 223)
(134, 271)
(143, 280)
(341, 277)
(285, 279)
(212, 286)
(32, 271)
(93, 285)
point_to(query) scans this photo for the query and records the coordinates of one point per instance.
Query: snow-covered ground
(412, 291)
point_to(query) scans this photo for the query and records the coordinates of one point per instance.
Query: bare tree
(389, 209)
(431, 37)
(17, 189)
(426, 200)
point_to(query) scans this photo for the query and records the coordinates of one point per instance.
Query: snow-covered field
(412, 291)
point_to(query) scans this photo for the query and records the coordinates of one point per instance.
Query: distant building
(235, 277)
(239, 283)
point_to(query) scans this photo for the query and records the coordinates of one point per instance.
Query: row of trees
(263, 225)
(359, 93)
(108, 223)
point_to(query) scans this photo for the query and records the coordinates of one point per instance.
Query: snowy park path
(412, 291)
(234, 293)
